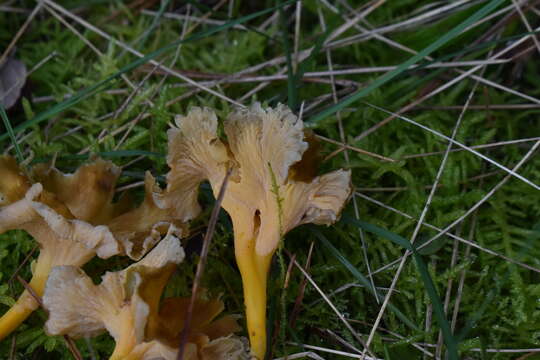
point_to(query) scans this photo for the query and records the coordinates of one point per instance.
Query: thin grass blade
(11, 134)
(316, 120)
(292, 80)
(103, 154)
(100, 85)
(449, 339)
(358, 275)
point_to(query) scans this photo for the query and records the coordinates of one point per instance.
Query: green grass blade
(103, 154)
(395, 238)
(361, 278)
(429, 285)
(317, 119)
(292, 86)
(155, 22)
(386, 352)
(100, 85)
(11, 134)
(457, 54)
(481, 46)
(477, 315)
(438, 310)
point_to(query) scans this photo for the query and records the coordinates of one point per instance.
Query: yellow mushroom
(263, 198)
(126, 304)
(72, 218)
(79, 308)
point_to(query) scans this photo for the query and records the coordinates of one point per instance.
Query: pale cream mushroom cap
(69, 241)
(275, 138)
(88, 195)
(268, 194)
(125, 302)
(77, 307)
(262, 198)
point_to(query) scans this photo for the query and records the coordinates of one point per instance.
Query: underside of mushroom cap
(260, 138)
(77, 307)
(139, 229)
(195, 153)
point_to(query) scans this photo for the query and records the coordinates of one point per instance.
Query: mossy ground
(499, 307)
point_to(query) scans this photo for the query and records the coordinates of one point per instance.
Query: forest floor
(433, 105)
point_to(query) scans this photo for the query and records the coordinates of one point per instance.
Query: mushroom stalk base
(22, 309)
(254, 271)
(26, 303)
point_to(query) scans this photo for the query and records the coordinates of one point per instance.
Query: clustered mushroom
(265, 198)
(126, 304)
(73, 218)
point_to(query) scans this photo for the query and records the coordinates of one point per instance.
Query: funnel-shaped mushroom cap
(72, 216)
(67, 240)
(262, 146)
(88, 195)
(79, 207)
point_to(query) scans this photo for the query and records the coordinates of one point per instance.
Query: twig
(200, 266)
(358, 150)
(332, 306)
(18, 269)
(123, 45)
(302, 289)
(489, 160)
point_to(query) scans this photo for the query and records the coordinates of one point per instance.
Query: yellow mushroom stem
(126, 339)
(26, 303)
(254, 271)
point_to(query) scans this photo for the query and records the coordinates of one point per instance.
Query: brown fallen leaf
(12, 78)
